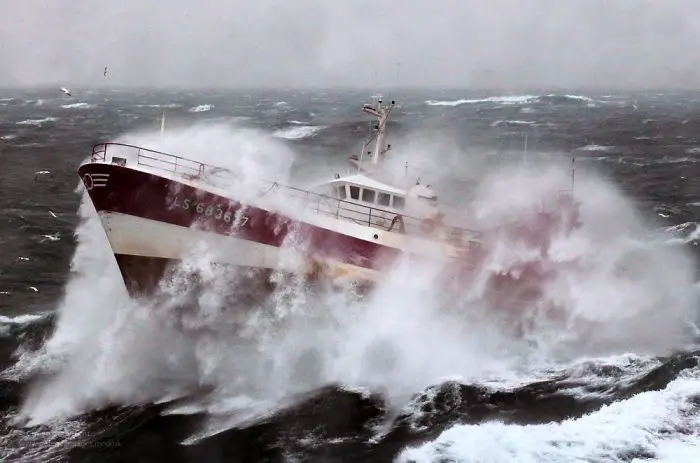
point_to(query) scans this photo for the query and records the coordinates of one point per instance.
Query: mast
(162, 124)
(573, 174)
(382, 114)
(377, 133)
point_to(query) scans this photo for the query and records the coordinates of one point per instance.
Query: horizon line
(358, 88)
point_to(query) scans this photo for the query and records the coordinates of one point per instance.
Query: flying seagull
(105, 72)
(66, 91)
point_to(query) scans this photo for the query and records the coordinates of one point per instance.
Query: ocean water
(401, 374)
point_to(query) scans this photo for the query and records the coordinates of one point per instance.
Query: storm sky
(326, 43)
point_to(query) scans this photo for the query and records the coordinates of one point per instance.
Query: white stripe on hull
(137, 236)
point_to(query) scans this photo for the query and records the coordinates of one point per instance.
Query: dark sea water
(86, 376)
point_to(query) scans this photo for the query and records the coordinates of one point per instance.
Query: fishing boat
(158, 208)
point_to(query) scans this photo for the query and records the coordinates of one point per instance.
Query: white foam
(506, 100)
(298, 132)
(81, 105)
(511, 122)
(404, 337)
(37, 121)
(594, 147)
(686, 232)
(7, 322)
(201, 108)
(509, 99)
(99, 327)
(659, 423)
(21, 319)
(577, 97)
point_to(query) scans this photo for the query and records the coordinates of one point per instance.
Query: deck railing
(380, 219)
(147, 158)
(377, 218)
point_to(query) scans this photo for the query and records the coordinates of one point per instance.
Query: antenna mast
(382, 114)
(573, 173)
(377, 132)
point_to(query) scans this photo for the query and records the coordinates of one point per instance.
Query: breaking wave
(501, 122)
(77, 106)
(37, 121)
(201, 108)
(596, 148)
(515, 100)
(298, 132)
(644, 427)
(242, 362)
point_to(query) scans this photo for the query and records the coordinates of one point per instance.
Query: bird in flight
(66, 91)
(105, 72)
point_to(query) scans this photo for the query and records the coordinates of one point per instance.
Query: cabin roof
(364, 181)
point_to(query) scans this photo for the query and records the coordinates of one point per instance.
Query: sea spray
(401, 338)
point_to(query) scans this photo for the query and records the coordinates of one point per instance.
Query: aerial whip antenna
(573, 174)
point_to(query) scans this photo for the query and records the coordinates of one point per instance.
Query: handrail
(381, 219)
(358, 213)
(99, 153)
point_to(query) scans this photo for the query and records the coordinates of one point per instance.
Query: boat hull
(155, 222)
(147, 251)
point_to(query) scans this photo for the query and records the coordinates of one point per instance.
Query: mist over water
(630, 292)
(245, 151)
(610, 374)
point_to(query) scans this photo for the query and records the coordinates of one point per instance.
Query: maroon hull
(114, 188)
(149, 196)
(142, 203)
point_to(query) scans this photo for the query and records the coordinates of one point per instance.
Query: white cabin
(369, 202)
(361, 198)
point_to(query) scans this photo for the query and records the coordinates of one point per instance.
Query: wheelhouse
(364, 191)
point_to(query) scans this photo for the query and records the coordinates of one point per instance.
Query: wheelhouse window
(354, 192)
(368, 195)
(341, 192)
(384, 199)
(399, 202)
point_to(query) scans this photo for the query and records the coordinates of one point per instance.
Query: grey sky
(295, 43)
